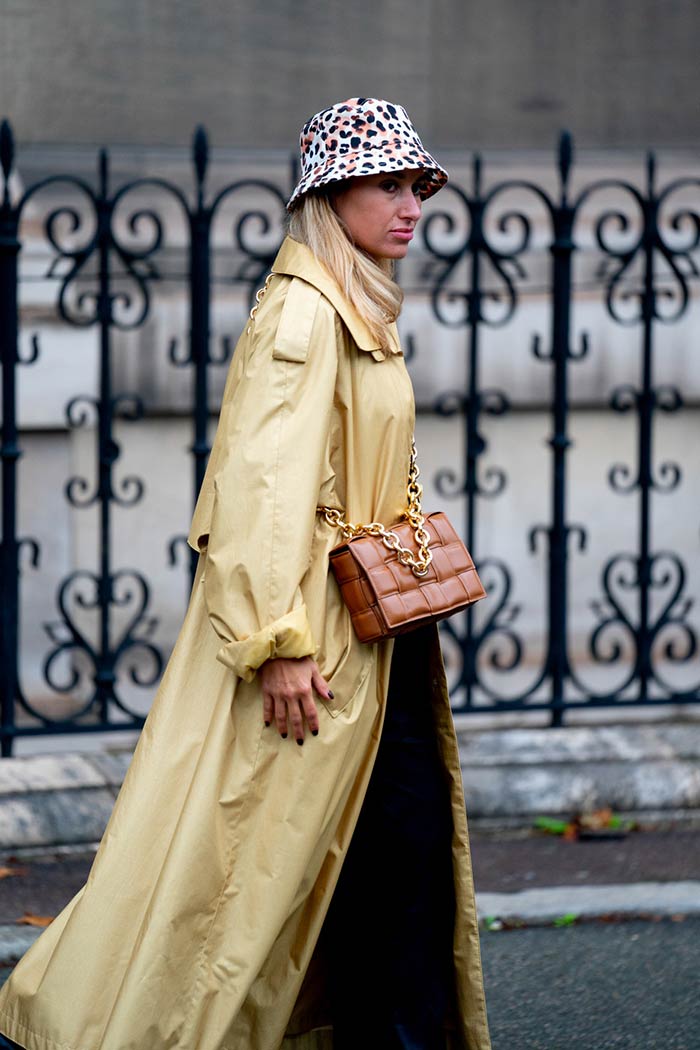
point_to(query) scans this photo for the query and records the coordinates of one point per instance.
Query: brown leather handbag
(389, 588)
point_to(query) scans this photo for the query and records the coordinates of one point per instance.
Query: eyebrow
(402, 176)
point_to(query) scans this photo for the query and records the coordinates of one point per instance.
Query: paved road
(632, 986)
(593, 986)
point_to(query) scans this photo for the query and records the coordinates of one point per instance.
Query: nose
(410, 205)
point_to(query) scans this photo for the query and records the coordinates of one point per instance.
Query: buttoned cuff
(289, 637)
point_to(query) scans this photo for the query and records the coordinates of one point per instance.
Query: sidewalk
(522, 879)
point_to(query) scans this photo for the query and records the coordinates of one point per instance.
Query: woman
(287, 863)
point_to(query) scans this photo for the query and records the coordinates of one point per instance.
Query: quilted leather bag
(390, 588)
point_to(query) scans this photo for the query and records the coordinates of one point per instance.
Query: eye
(390, 185)
(419, 187)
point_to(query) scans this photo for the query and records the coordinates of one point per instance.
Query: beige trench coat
(197, 928)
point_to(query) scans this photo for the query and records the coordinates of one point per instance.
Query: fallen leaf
(29, 919)
(553, 825)
(6, 872)
(566, 920)
(599, 818)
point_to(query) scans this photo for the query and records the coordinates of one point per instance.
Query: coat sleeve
(267, 484)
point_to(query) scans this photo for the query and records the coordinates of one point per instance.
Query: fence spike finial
(200, 155)
(651, 171)
(477, 174)
(7, 153)
(565, 156)
(103, 169)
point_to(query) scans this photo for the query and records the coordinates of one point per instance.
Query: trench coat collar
(297, 260)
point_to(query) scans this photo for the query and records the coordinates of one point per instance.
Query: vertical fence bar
(107, 451)
(557, 604)
(9, 450)
(645, 405)
(473, 442)
(200, 318)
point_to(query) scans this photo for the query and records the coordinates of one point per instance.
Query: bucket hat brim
(362, 137)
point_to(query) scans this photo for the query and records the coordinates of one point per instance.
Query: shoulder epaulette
(296, 321)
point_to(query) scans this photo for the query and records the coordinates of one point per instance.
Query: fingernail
(267, 723)
(300, 742)
(331, 694)
(314, 732)
(283, 735)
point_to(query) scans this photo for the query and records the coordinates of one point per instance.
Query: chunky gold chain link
(258, 298)
(414, 515)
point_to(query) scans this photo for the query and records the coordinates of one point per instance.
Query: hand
(288, 694)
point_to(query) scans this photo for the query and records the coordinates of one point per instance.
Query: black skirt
(391, 919)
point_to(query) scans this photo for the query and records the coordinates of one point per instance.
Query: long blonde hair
(366, 282)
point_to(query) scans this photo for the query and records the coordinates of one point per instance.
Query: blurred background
(551, 322)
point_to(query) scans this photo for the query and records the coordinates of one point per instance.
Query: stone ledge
(578, 744)
(510, 776)
(47, 818)
(581, 787)
(525, 772)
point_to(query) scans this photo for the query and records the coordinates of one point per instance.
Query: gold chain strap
(259, 294)
(414, 515)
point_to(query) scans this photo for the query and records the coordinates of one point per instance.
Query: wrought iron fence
(473, 249)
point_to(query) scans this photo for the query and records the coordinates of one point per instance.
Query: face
(381, 211)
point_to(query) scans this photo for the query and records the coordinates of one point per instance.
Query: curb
(544, 906)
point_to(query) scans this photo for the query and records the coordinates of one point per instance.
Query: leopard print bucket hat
(362, 136)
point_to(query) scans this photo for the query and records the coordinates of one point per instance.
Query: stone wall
(488, 73)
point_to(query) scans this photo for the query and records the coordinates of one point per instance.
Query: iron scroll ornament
(477, 642)
(105, 257)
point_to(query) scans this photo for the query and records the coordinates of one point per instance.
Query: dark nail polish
(300, 742)
(267, 723)
(331, 694)
(314, 732)
(283, 735)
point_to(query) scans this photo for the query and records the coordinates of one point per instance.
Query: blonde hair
(366, 282)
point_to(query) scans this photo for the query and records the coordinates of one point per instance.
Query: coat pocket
(346, 687)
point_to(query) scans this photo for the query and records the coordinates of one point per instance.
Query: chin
(396, 251)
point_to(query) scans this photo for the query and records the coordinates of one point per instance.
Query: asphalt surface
(627, 985)
(632, 986)
(507, 862)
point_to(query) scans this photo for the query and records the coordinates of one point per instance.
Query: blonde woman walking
(287, 863)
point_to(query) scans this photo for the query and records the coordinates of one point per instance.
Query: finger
(311, 715)
(268, 708)
(297, 722)
(321, 685)
(281, 717)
